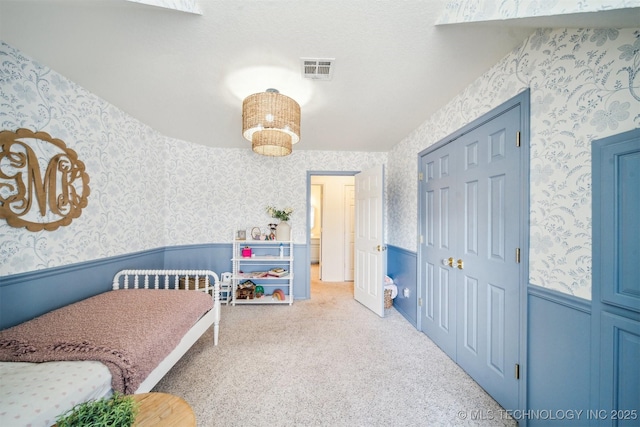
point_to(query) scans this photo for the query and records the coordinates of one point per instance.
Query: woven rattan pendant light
(271, 143)
(271, 121)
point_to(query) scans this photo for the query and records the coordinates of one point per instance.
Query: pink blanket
(131, 331)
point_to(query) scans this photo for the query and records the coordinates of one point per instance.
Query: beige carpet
(326, 361)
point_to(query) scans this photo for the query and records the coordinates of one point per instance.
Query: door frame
(308, 216)
(523, 100)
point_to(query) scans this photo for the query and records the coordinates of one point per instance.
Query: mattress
(34, 394)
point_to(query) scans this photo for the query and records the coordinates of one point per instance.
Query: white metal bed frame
(162, 279)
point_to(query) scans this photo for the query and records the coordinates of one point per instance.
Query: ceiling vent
(317, 69)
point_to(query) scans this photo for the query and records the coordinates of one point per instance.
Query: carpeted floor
(326, 361)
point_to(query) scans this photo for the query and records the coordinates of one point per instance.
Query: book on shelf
(253, 274)
(277, 272)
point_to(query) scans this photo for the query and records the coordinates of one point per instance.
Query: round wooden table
(162, 409)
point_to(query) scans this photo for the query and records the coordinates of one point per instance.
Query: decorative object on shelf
(272, 235)
(255, 233)
(278, 294)
(282, 215)
(241, 235)
(246, 290)
(246, 252)
(259, 291)
(271, 121)
(44, 184)
(283, 229)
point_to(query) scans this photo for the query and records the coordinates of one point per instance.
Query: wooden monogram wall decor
(43, 185)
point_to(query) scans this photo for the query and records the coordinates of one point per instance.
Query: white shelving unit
(265, 256)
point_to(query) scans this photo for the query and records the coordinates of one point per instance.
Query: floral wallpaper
(147, 190)
(458, 11)
(120, 156)
(585, 85)
(225, 190)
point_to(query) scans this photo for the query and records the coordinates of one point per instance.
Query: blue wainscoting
(558, 376)
(301, 272)
(402, 268)
(215, 257)
(27, 295)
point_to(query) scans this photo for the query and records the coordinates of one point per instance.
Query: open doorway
(331, 210)
(315, 229)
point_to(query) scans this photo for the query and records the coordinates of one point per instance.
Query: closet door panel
(471, 315)
(438, 230)
(490, 180)
(497, 233)
(470, 244)
(495, 331)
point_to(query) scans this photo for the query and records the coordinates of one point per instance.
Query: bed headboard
(201, 280)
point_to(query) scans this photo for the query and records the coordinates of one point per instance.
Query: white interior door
(370, 260)
(334, 217)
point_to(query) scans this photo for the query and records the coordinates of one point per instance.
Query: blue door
(616, 284)
(438, 219)
(471, 223)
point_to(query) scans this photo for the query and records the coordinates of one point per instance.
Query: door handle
(448, 262)
(381, 248)
(460, 264)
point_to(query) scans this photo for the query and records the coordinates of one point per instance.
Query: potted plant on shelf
(283, 229)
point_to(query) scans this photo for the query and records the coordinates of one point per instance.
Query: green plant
(282, 215)
(116, 411)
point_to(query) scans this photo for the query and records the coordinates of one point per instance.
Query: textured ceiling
(185, 75)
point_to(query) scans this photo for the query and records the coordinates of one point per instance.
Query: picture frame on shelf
(241, 235)
(256, 233)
